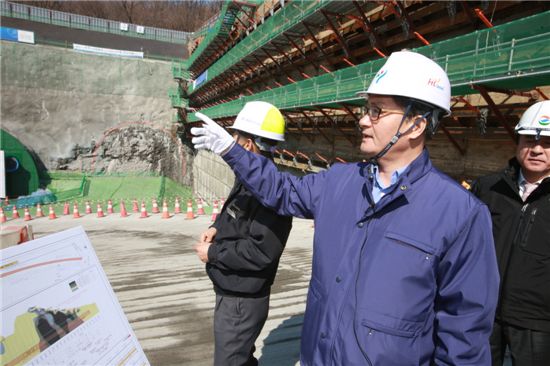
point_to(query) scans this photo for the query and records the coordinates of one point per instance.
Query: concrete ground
(166, 295)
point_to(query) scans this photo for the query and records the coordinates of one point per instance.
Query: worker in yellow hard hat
(243, 246)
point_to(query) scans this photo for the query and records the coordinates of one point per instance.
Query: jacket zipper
(525, 235)
(521, 218)
(428, 255)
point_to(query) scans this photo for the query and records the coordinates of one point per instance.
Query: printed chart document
(58, 308)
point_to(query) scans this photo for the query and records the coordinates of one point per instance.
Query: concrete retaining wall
(212, 177)
(54, 99)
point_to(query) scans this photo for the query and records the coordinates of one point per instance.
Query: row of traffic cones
(27, 215)
(123, 213)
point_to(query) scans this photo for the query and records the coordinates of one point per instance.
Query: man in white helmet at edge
(243, 246)
(519, 200)
(404, 269)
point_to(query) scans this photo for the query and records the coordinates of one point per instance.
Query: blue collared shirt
(378, 189)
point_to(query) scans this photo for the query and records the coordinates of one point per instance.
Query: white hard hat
(261, 119)
(412, 75)
(535, 120)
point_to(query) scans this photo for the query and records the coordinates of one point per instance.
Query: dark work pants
(527, 347)
(237, 323)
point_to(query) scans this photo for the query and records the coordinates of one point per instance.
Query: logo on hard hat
(544, 120)
(380, 75)
(435, 83)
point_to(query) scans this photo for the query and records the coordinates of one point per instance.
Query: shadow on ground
(282, 345)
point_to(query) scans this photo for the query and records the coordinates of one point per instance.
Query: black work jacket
(250, 239)
(522, 237)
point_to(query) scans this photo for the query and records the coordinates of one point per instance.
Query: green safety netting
(176, 97)
(219, 31)
(212, 33)
(283, 20)
(179, 71)
(513, 55)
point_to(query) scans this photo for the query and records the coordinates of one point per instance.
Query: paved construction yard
(166, 295)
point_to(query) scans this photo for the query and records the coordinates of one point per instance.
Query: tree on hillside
(182, 15)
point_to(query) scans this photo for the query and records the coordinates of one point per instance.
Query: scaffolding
(286, 18)
(514, 55)
(234, 18)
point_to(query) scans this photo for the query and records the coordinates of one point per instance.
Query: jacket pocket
(390, 325)
(411, 243)
(313, 317)
(385, 329)
(390, 341)
(400, 281)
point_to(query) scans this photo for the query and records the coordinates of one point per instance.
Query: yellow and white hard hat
(412, 75)
(261, 119)
(535, 120)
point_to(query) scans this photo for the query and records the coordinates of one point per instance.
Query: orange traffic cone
(14, 212)
(88, 208)
(190, 215)
(222, 202)
(3, 217)
(177, 207)
(143, 211)
(165, 213)
(28, 216)
(109, 207)
(76, 214)
(215, 211)
(135, 206)
(200, 209)
(66, 207)
(155, 208)
(51, 214)
(39, 212)
(99, 211)
(123, 212)
(6, 201)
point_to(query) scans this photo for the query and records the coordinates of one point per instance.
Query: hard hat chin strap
(374, 160)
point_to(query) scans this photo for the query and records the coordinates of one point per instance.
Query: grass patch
(99, 189)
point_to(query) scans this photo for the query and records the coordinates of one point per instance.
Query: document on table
(58, 308)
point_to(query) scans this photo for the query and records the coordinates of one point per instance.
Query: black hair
(416, 108)
(433, 113)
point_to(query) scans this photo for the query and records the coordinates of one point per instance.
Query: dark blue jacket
(411, 280)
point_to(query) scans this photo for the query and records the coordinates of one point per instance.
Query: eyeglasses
(375, 112)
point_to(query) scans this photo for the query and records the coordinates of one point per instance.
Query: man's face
(534, 156)
(377, 132)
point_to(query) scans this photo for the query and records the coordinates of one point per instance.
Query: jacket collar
(418, 168)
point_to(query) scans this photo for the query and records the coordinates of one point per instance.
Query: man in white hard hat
(519, 200)
(243, 247)
(404, 269)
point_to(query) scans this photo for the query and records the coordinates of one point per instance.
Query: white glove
(211, 136)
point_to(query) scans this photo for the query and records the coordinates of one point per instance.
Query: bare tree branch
(183, 15)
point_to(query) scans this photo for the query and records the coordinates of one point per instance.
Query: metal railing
(27, 12)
